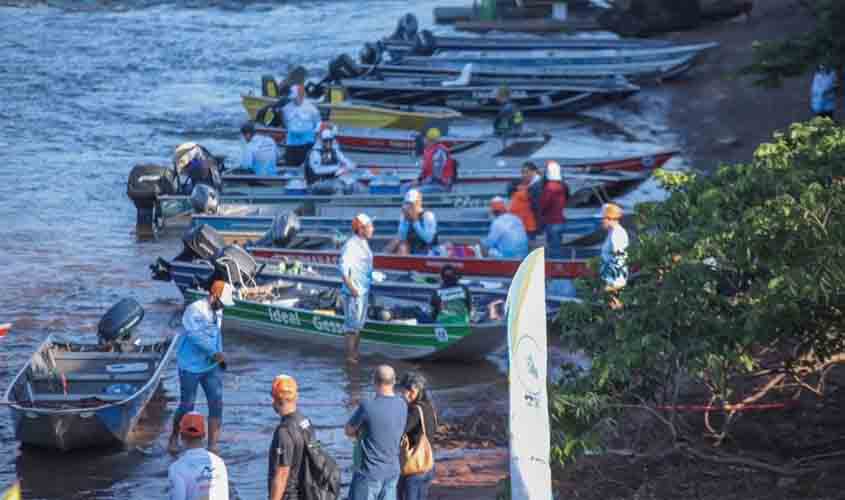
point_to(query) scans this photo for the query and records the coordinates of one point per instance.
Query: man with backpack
(299, 469)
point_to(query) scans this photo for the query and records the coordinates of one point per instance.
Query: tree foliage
(740, 291)
(795, 56)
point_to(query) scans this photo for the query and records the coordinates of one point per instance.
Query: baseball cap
(497, 204)
(412, 196)
(553, 171)
(222, 291)
(284, 387)
(611, 211)
(192, 424)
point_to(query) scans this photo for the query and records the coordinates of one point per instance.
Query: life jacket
(453, 305)
(416, 244)
(521, 207)
(328, 156)
(444, 174)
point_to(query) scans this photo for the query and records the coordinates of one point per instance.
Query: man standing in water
(201, 362)
(378, 424)
(198, 474)
(287, 451)
(301, 121)
(356, 270)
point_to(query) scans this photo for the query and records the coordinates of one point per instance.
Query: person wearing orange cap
(506, 238)
(552, 207)
(614, 251)
(287, 451)
(198, 474)
(201, 362)
(356, 270)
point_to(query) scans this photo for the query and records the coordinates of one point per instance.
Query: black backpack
(319, 472)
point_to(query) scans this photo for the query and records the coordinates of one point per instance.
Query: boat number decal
(468, 202)
(284, 317)
(441, 334)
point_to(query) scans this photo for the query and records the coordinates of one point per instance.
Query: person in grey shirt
(378, 425)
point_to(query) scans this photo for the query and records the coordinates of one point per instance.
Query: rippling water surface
(87, 89)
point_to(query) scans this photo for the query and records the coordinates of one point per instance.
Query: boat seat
(96, 377)
(108, 356)
(58, 398)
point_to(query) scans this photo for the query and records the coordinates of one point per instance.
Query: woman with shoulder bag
(416, 452)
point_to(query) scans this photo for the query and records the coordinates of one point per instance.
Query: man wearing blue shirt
(417, 228)
(259, 152)
(201, 362)
(356, 270)
(378, 424)
(507, 237)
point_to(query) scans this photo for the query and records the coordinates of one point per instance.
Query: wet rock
(787, 482)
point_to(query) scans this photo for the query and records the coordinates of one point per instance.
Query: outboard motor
(116, 328)
(370, 54)
(284, 229)
(146, 183)
(343, 66)
(204, 199)
(406, 28)
(424, 43)
(201, 242)
(234, 265)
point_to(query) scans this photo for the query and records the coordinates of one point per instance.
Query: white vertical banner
(531, 477)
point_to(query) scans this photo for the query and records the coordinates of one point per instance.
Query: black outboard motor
(116, 328)
(201, 242)
(424, 43)
(283, 230)
(371, 53)
(343, 66)
(146, 183)
(406, 28)
(237, 267)
(204, 199)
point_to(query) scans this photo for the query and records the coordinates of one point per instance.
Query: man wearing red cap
(287, 451)
(201, 362)
(198, 474)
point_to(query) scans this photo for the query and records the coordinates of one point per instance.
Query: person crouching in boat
(201, 362)
(614, 253)
(356, 270)
(507, 238)
(509, 120)
(438, 166)
(452, 302)
(301, 121)
(327, 166)
(417, 228)
(259, 153)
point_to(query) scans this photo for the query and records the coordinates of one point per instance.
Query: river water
(88, 89)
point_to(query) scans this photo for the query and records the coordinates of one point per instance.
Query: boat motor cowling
(201, 242)
(118, 324)
(406, 28)
(204, 199)
(236, 266)
(146, 183)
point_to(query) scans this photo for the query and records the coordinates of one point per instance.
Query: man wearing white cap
(326, 162)
(301, 121)
(356, 270)
(417, 228)
(552, 207)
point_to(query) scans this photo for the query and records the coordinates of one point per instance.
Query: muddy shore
(720, 118)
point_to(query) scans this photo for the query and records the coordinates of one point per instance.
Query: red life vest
(444, 173)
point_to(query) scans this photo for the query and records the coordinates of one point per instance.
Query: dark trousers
(296, 155)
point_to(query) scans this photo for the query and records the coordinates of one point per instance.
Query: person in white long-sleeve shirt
(614, 251)
(356, 270)
(259, 152)
(198, 474)
(201, 362)
(302, 120)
